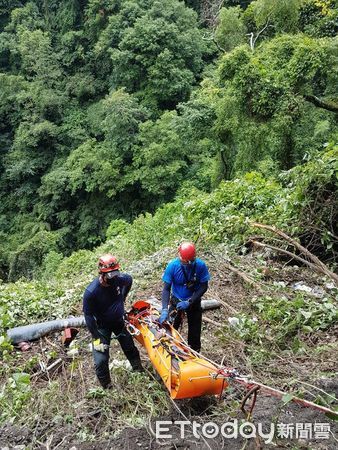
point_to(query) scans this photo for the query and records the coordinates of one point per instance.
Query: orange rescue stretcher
(187, 373)
(183, 372)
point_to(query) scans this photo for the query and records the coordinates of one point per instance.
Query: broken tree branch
(223, 303)
(286, 252)
(226, 305)
(55, 365)
(241, 274)
(319, 266)
(329, 105)
(238, 272)
(213, 322)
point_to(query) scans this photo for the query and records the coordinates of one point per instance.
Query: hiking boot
(105, 383)
(136, 365)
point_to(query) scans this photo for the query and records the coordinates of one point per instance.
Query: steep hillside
(128, 126)
(284, 333)
(110, 108)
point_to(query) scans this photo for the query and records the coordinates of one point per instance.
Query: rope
(232, 374)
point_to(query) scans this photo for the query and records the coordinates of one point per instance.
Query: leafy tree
(159, 160)
(265, 110)
(243, 3)
(24, 17)
(121, 119)
(10, 114)
(280, 15)
(94, 175)
(28, 257)
(319, 18)
(316, 203)
(231, 29)
(177, 150)
(160, 56)
(61, 17)
(109, 108)
(195, 4)
(28, 159)
(97, 13)
(265, 18)
(37, 58)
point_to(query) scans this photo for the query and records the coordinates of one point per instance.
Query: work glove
(183, 305)
(164, 316)
(99, 346)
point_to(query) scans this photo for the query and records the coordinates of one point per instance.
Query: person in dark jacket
(185, 280)
(103, 308)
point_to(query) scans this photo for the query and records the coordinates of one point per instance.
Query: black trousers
(101, 359)
(194, 316)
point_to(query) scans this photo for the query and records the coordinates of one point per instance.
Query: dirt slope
(99, 420)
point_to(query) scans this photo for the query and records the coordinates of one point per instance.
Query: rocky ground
(68, 411)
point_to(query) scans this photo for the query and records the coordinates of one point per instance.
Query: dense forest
(129, 126)
(111, 108)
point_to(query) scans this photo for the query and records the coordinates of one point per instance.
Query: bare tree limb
(226, 305)
(55, 365)
(251, 41)
(241, 274)
(286, 252)
(329, 105)
(223, 303)
(254, 38)
(261, 31)
(213, 322)
(238, 272)
(320, 266)
(210, 10)
(221, 49)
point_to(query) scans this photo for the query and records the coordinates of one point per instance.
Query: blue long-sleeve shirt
(104, 305)
(176, 277)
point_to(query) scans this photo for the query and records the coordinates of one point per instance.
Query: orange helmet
(187, 251)
(108, 263)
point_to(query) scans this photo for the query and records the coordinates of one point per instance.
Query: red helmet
(108, 263)
(187, 251)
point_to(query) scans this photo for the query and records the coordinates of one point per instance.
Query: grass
(70, 403)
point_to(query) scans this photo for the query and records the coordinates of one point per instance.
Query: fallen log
(38, 330)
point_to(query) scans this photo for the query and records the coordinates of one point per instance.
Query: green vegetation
(129, 125)
(290, 202)
(277, 321)
(111, 109)
(283, 322)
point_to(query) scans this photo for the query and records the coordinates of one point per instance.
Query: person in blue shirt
(103, 308)
(185, 280)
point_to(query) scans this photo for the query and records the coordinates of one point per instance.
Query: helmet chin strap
(103, 281)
